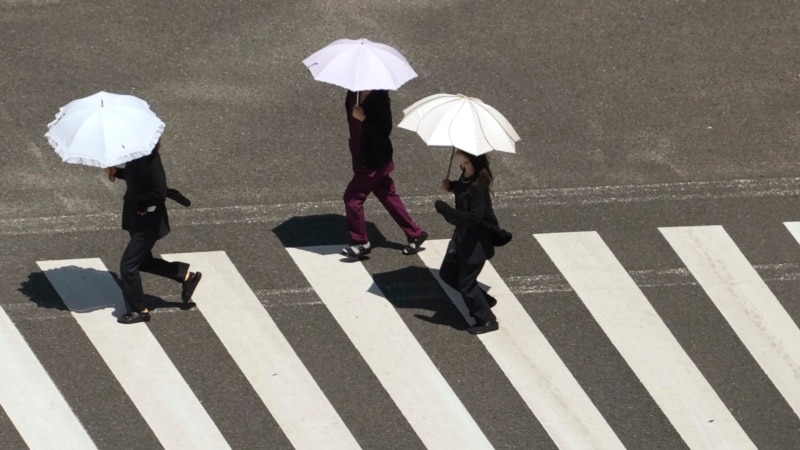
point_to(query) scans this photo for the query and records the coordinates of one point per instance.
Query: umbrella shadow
(416, 288)
(96, 292)
(39, 290)
(325, 229)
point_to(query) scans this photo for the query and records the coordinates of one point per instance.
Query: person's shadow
(416, 288)
(325, 229)
(89, 290)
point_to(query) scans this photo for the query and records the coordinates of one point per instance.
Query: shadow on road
(99, 293)
(416, 288)
(325, 229)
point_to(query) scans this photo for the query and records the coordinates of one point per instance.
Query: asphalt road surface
(649, 299)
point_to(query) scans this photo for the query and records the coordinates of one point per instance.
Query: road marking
(390, 349)
(532, 365)
(794, 228)
(746, 302)
(31, 399)
(264, 355)
(249, 211)
(133, 355)
(644, 341)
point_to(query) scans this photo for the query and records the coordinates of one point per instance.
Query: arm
(474, 215)
(157, 192)
(114, 172)
(378, 120)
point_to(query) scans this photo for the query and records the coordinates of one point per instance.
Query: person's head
(477, 166)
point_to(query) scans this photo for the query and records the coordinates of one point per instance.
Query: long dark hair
(483, 174)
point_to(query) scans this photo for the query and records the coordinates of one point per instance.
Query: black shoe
(357, 250)
(415, 245)
(491, 301)
(491, 325)
(189, 286)
(134, 317)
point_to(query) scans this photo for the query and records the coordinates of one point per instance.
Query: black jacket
(376, 146)
(472, 241)
(146, 189)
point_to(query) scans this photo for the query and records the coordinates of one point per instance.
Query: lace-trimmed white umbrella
(104, 130)
(359, 65)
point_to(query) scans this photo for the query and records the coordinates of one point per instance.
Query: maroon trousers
(378, 182)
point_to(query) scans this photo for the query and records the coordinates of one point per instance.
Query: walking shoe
(491, 301)
(357, 250)
(415, 244)
(134, 317)
(189, 286)
(491, 325)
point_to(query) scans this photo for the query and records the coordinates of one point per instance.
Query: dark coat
(146, 189)
(371, 137)
(472, 240)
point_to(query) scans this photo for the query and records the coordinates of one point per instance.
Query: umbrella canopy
(359, 65)
(460, 121)
(104, 130)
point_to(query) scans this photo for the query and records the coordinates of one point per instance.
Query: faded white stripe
(576, 196)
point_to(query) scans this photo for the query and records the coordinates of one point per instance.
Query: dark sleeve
(378, 110)
(478, 208)
(349, 101)
(157, 192)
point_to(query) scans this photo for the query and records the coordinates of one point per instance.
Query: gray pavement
(633, 116)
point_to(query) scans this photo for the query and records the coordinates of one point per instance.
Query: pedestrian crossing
(133, 354)
(425, 395)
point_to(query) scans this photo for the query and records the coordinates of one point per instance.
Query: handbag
(500, 236)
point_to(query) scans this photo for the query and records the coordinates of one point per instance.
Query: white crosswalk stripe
(533, 367)
(277, 375)
(134, 356)
(29, 397)
(644, 341)
(746, 302)
(424, 395)
(387, 345)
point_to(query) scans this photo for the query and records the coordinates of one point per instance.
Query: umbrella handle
(450, 166)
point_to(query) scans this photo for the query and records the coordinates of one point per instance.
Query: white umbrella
(104, 130)
(359, 65)
(463, 122)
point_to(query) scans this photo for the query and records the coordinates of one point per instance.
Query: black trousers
(138, 256)
(463, 277)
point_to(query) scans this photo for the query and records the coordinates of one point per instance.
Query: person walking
(471, 245)
(369, 117)
(144, 216)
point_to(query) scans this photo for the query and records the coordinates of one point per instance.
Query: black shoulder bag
(500, 236)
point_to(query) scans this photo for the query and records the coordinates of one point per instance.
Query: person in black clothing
(144, 216)
(471, 245)
(369, 118)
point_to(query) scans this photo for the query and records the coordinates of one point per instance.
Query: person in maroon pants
(369, 116)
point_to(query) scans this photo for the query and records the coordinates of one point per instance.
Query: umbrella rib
(490, 112)
(434, 108)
